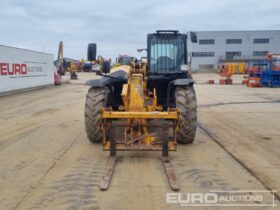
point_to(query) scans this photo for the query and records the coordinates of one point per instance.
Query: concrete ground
(46, 161)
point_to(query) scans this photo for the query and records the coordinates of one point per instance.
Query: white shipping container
(21, 69)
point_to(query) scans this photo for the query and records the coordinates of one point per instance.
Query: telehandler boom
(146, 106)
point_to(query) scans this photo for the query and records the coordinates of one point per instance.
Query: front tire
(186, 102)
(95, 100)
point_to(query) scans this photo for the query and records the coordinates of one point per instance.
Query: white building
(213, 47)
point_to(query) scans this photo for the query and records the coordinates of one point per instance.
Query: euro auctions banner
(21, 69)
(26, 69)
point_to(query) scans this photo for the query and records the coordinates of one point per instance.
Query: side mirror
(193, 37)
(106, 67)
(184, 68)
(91, 51)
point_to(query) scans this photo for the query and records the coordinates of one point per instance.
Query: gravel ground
(46, 161)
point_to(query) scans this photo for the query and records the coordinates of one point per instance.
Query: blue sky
(121, 26)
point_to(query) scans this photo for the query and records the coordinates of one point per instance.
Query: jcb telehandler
(148, 106)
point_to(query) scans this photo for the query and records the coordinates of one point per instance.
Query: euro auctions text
(223, 198)
(18, 69)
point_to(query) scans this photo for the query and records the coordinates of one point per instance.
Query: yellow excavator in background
(123, 60)
(63, 65)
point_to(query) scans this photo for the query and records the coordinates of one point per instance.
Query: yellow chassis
(135, 115)
(139, 115)
(107, 115)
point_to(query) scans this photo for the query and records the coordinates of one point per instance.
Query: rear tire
(95, 100)
(186, 102)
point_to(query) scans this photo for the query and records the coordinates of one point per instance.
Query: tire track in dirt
(238, 103)
(8, 138)
(189, 169)
(72, 182)
(49, 169)
(210, 133)
(77, 188)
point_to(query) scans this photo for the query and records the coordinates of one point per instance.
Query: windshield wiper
(179, 61)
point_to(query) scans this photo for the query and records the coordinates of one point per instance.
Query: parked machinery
(145, 106)
(254, 76)
(92, 64)
(254, 71)
(226, 73)
(271, 77)
(60, 60)
(236, 68)
(123, 60)
(64, 65)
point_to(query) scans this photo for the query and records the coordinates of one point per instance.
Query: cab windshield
(125, 60)
(166, 55)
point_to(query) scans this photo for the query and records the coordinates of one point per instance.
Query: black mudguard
(172, 86)
(114, 81)
(182, 82)
(109, 81)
